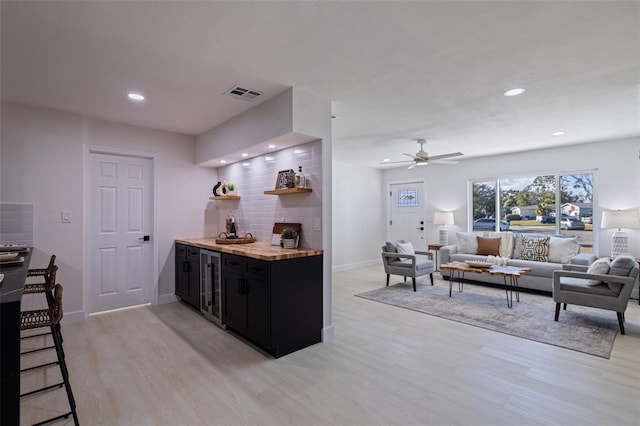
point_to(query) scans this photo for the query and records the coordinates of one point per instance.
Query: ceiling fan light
(515, 91)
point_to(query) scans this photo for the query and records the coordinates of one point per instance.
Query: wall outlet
(316, 224)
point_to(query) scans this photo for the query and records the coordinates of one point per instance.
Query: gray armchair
(407, 265)
(611, 291)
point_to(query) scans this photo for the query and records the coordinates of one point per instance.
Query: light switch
(66, 216)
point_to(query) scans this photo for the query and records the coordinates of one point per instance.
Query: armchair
(608, 288)
(407, 264)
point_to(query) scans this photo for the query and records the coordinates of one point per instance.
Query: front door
(406, 207)
(121, 220)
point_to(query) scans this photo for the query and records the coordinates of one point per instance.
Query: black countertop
(15, 276)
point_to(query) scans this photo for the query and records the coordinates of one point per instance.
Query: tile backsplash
(257, 212)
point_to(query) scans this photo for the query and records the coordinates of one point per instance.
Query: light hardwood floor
(166, 365)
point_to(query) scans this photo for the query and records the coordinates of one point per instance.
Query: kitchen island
(270, 296)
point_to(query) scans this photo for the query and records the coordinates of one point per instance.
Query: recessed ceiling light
(244, 154)
(269, 158)
(271, 146)
(560, 133)
(223, 161)
(246, 164)
(515, 92)
(386, 160)
(135, 96)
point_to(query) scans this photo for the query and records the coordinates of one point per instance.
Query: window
(551, 203)
(407, 198)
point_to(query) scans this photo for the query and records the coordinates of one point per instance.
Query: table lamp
(620, 219)
(444, 219)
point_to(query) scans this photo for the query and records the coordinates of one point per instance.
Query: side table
(436, 247)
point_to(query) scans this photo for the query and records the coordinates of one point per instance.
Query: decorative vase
(216, 188)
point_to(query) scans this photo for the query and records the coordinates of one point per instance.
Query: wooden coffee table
(509, 273)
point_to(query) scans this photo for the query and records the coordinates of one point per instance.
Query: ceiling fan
(422, 157)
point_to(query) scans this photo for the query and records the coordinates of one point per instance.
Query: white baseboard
(350, 266)
(327, 334)
(71, 317)
(167, 298)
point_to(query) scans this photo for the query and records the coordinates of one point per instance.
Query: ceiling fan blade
(447, 162)
(394, 162)
(443, 156)
(412, 166)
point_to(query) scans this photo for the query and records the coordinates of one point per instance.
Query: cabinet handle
(233, 263)
(255, 269)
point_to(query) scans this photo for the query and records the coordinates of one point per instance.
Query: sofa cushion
(506, 242)
(600, 266)
(391, 248)
(467, 242)
(517, 242)
(421, 266)
(580, 285)
(622, 265)
(405, 248)
(489, 246)
(538, 269)
(534, 249)
(562, 250)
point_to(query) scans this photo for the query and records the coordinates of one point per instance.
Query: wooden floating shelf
(286, 191)
(225, 197)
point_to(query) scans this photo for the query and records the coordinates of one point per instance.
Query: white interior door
(406, 207)
(121, 215)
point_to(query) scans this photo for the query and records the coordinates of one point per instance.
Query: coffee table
(509, 273)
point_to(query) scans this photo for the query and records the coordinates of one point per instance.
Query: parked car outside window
(489, 224)
(571, 223)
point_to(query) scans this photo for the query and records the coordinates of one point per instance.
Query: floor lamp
(620, 219)
(444, 219)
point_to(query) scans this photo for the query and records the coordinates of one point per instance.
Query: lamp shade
(628, 219)
(443, 218)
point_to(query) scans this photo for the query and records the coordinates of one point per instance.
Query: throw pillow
(622, 265)
(601, 267)
(536, 249)
(506, 242)
(391, 248)
(406, 248)
(489, 246)
(467, 243)
(562, 250)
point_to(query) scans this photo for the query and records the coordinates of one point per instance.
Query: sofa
(543, 253)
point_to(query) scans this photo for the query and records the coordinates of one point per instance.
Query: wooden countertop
(257, 250)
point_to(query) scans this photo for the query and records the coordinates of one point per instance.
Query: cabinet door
(194, 284)
(258, 314)
(233, 301)
(182, 272)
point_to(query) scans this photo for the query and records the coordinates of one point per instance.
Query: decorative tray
(482, 264)
(223, 239)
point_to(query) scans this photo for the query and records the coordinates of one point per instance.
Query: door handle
(145, 238)
(421, 228)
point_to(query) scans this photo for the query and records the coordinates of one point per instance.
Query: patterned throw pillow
(534, 249)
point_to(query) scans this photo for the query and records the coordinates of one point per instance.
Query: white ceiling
(394, 71)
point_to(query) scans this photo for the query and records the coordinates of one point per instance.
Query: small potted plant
(289, 238)
(231, 187)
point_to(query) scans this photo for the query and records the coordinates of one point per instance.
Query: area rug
(587, 330)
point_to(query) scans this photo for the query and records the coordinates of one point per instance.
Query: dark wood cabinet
(188, 274)
(277, 304)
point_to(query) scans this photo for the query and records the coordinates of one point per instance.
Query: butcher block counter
(256, 250)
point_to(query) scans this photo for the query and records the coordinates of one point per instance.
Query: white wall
(359, 215)
(42, 162)
(617, 181)
(258, 212)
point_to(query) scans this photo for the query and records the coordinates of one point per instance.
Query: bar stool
(51, 317)
(44, 287)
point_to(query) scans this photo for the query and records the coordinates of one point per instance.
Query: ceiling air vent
(242, 93)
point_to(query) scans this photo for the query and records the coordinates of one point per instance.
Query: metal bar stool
(51, 317)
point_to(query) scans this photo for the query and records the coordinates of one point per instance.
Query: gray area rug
(587, 330)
